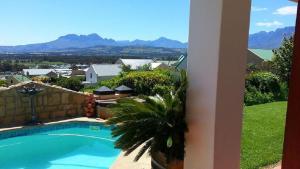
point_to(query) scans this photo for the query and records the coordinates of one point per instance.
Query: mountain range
(269, 40)
(72, 41)
(260, 40)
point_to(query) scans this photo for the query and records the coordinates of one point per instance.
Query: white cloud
(258, 9)
(269, 24)
(286, 10)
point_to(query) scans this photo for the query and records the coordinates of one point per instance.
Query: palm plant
(156, 125)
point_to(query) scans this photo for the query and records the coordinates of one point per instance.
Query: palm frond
(149, 124)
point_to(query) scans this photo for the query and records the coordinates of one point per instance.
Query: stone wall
(53, 103)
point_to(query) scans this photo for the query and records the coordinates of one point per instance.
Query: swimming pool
(75, 145)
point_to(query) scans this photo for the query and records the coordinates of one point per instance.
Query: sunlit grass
(263, 134)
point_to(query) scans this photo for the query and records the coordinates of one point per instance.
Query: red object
(291, 152)
(90, 106)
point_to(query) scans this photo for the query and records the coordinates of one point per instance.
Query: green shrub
(264, 87)
(3, 83)
(253, 97)
(162, 90)
(111, 83)
(70, 83)
(142, 82)
(264, 82)
(284, 91)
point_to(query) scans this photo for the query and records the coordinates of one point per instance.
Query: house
(252, 58)
(46, 72)
(78, 72)
(169, 63)
(138, 63)
(15, 79)
(158, 65)
(99, 72)
(51, 74)
(36, 72)
(134, 63)
(267, 55)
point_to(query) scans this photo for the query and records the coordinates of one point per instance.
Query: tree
(158, 124)
(45, 66)
(282, 61)
(126, 68)
(70, 83)
(146, 67)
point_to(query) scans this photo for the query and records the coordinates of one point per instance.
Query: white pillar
(216, 71)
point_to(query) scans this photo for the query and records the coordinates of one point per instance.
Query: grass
(263, 133)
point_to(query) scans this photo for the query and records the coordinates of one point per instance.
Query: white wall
(216, 70)
(88, 75)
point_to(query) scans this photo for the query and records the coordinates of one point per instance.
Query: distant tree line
(79, 59)
(9, 66)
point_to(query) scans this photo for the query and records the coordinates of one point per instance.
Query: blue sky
(267, 15)
(34, 21)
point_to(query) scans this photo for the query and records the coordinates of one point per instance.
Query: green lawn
(262, 138)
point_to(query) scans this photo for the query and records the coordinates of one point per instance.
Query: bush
(142, 82)
(264, 82)
(162, 90)
(70, 83)
(264, 87)
(253, 97)
(3, 83)
(284, 92)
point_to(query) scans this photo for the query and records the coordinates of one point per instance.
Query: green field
(264, 54)
(263, 133)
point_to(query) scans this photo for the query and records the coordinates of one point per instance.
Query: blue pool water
(74, 147)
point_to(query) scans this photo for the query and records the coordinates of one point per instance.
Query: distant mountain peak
(69, 36)
(163, 38)
(90, 40)
(270, 40)
(94, 36)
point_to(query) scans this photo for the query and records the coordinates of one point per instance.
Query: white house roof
(168, 62)
(136, 63)
(37, 72)
(107, 69)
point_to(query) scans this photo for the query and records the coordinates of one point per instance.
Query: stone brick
(50, 108)
(2, 110)
(2, 101)
(52, 104)
(7, 120)
(39, 100)
(67, 107)
(25, 100)
(54, 99)
(20, 119)
(43, 116)
(20, 110)
(60, 114)
(65, 98)
(45, 100)
(71, 113)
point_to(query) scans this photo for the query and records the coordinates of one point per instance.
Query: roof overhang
(295, 0)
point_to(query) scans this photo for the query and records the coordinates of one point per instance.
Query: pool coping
(80, 119)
